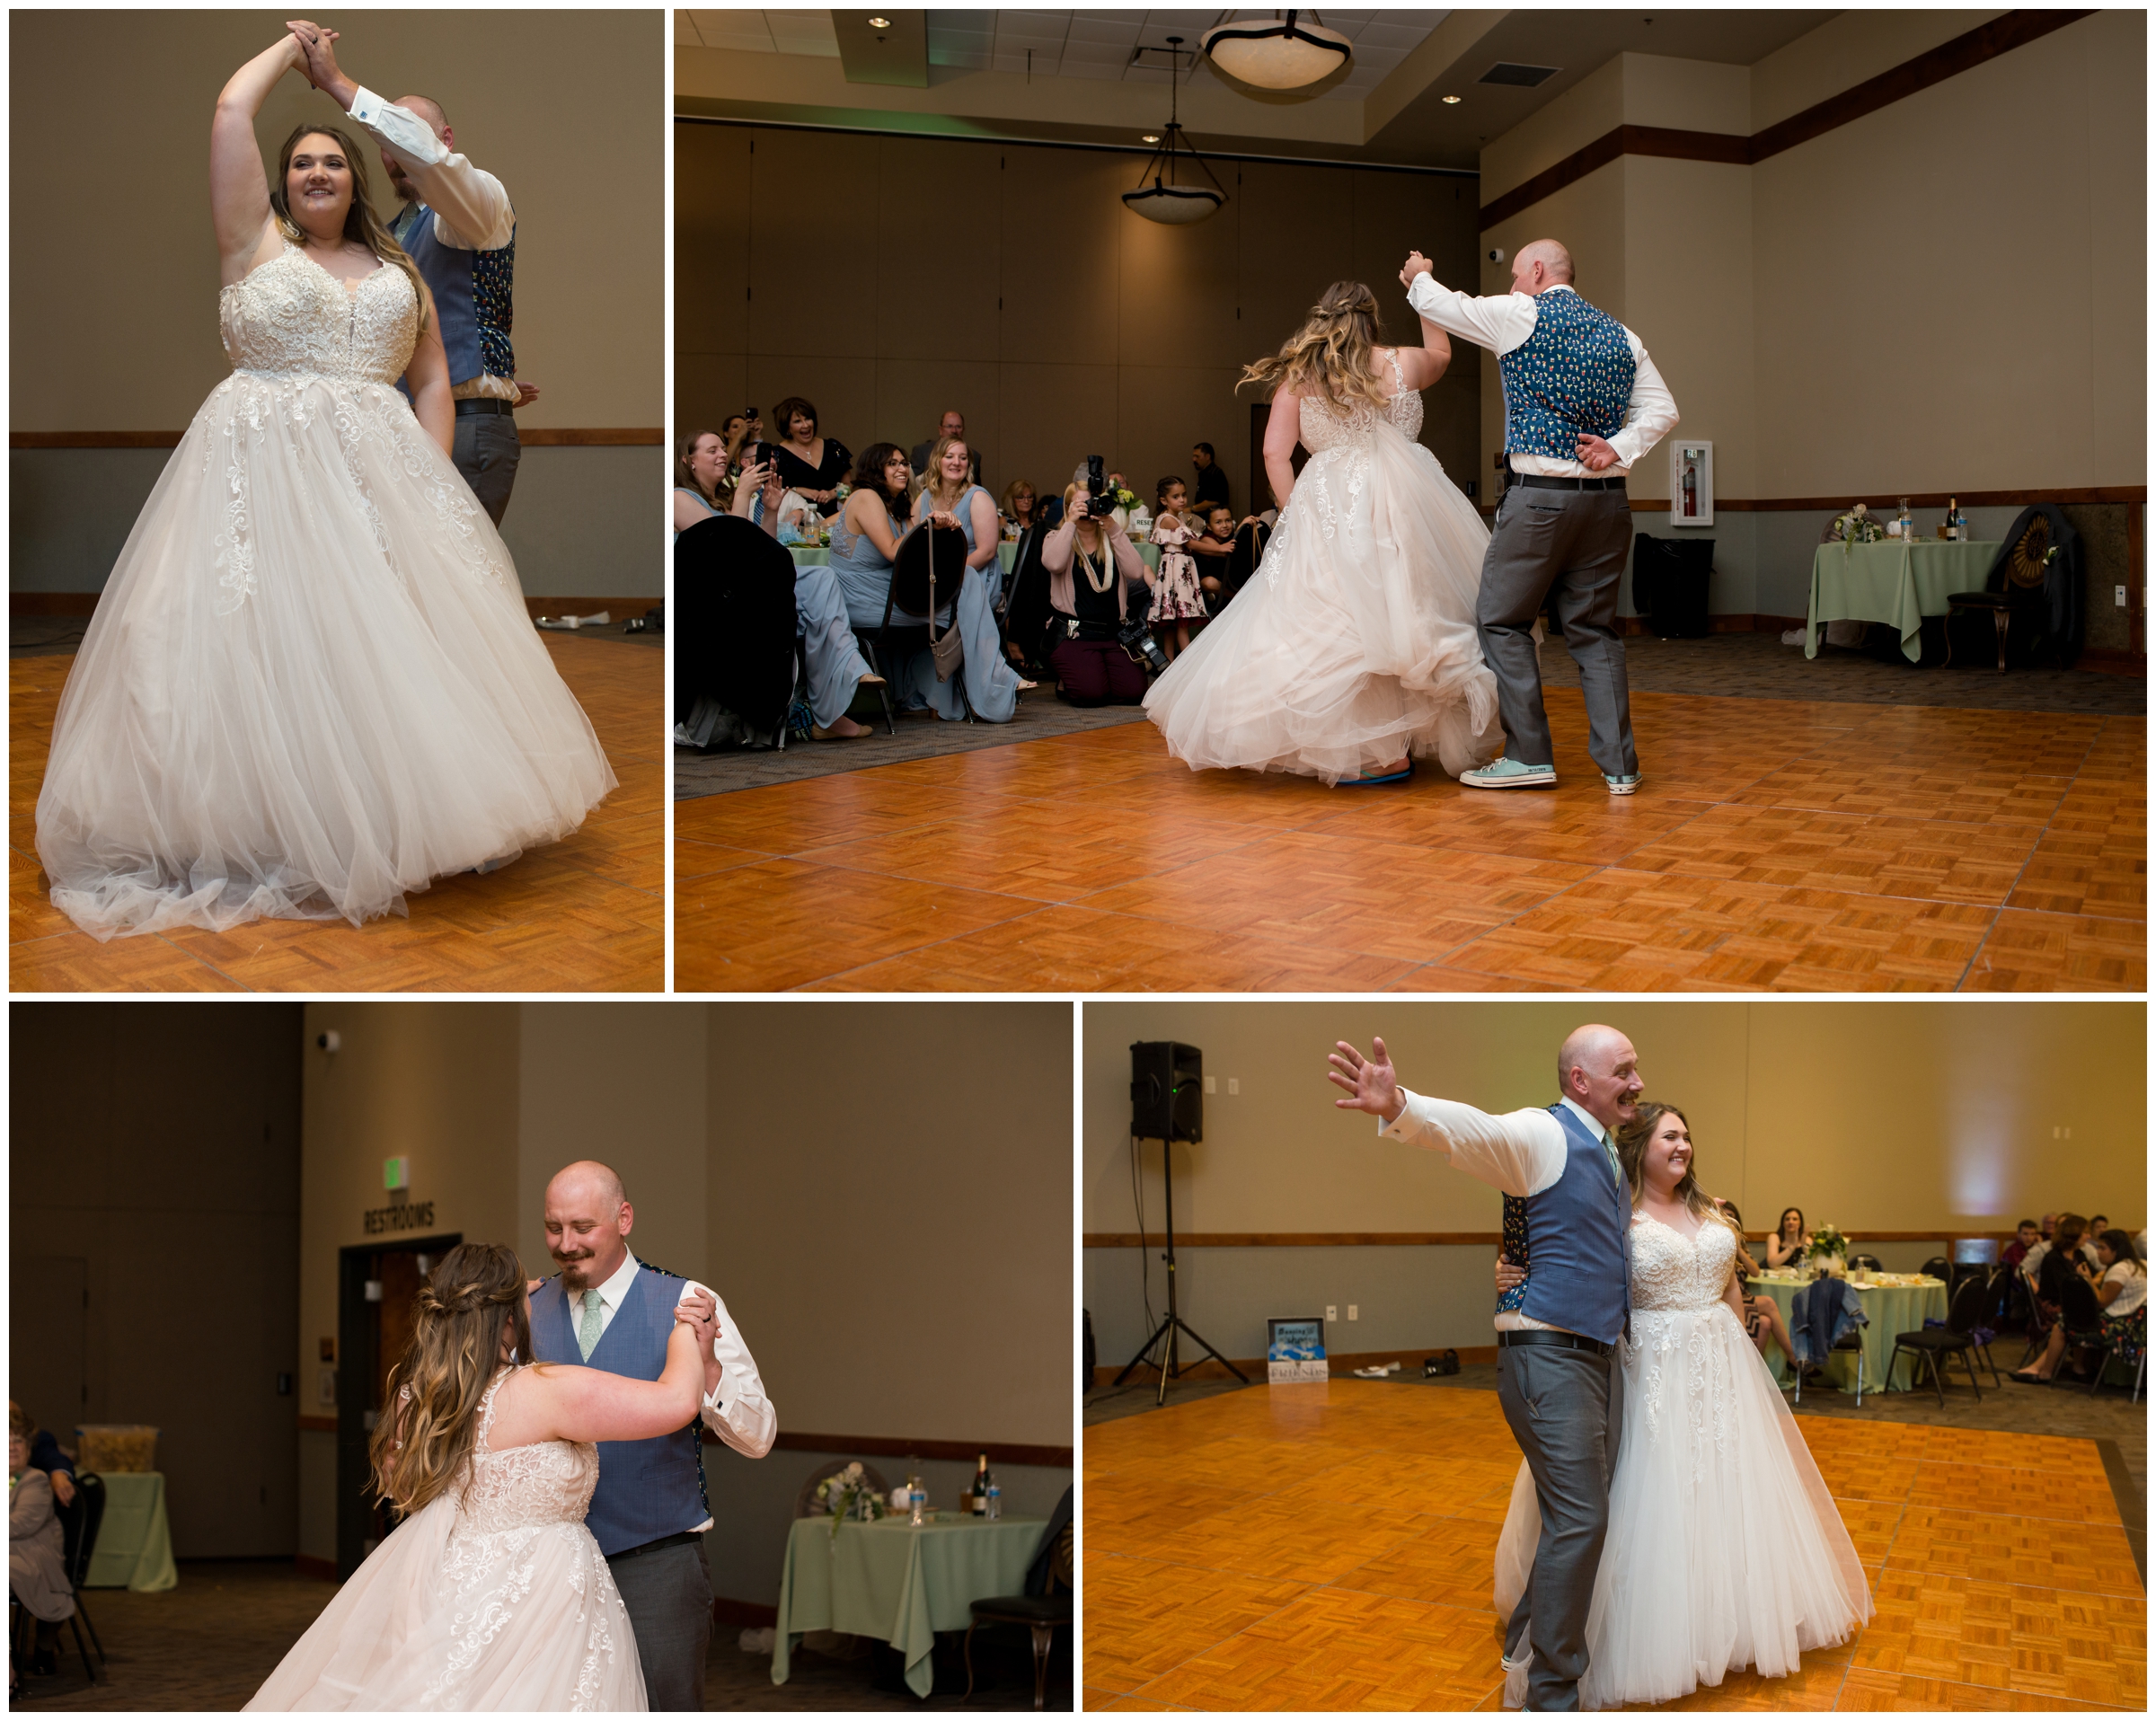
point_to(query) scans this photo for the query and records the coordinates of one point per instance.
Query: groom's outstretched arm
(1521, 1153)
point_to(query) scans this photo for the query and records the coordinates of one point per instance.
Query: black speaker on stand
(1167, 1104)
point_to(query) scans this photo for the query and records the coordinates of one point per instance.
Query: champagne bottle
(1953, 520)
(980, 1489)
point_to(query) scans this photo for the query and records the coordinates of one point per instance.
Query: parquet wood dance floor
(1329, 1548)
(1776, 843)
(587, 915)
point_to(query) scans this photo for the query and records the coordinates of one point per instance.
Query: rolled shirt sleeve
(472, 208)
(1521, 1153)
(737, 1412)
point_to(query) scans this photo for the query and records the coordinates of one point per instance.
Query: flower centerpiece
(1857, 527)
(1829, 1250)
(848, 1493)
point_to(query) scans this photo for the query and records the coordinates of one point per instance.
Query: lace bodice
(1676, 1273)
(547, 1482)
(1327, 425)
(292, 316)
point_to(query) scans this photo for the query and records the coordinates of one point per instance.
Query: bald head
(587, 1223)
(1541, 263)
(1599, 1071)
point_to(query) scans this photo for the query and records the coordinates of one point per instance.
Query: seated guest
(2098, 1223)
(1021, 508)
(734, 433)
(950, 497)
(1075, 613)
(952, 424)
(46, 1453)
(815, 465)
(1178, 600)
(865, 537)
(1786, 1248)
(1212, 482)
(36, 1571)
(1763, 1317)
(2054, 1262)
(704, 480)
(2120, 1282)
(2025, 1239)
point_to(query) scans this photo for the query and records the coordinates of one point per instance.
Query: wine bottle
(1953, 520)
(980, 1489)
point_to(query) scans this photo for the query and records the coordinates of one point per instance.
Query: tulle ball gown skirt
(1355, 642)
(310, 685)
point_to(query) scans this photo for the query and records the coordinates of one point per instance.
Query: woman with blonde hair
(490, 1593)
(1710, 1473)
(311, 686)
(1353, 651)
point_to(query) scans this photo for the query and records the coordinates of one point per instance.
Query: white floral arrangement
(848, 1493)
(1858, 527)
(1828, 1245)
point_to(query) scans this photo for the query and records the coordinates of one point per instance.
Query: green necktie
(587, 1334)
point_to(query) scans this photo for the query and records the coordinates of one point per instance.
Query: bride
(1724, 1549)
(491, 1594)
(310, 686)
(1353, 649)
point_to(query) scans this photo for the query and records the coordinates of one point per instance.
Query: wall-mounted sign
(406, 1215)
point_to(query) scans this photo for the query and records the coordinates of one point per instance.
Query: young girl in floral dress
(1176, 597)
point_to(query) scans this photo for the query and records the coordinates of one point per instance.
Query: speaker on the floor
(1167, 1091)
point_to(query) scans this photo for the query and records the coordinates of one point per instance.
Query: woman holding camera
(1092, 566)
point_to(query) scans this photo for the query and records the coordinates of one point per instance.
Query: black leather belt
(481, 403)
(1546, 482)
(653, 1547)
(1565, 1341)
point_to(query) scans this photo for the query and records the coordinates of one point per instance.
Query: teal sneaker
(1621, 785)
(1510, 773)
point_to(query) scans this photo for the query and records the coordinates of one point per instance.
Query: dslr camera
(1101, 501)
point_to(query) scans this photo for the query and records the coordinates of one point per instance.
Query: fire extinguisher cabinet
(1690, 483)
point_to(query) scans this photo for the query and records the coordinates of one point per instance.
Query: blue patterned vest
(1576, 1239)
(648, 1488)
(472, 298)
(1574, 373)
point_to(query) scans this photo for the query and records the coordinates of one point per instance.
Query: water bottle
(995, 1500)
(919, 1500)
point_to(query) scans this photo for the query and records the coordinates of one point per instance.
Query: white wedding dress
(491, 1596)
(310, 685)
(1355, 640)
(1724, 1547)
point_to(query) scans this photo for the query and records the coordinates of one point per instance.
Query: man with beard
(606, 1309)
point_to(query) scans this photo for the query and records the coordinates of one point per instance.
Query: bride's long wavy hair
(1330, 353)
(1631, 1155)
(362, 226)
(473, 1300)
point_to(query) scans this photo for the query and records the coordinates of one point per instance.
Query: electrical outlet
(1354, 1313)
(1332, 1311)
(1209, 1087)
(1234, 1085)
(2118, 596)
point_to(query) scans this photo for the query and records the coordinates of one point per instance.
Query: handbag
(949, 651)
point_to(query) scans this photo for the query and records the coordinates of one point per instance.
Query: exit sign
(396, 1174)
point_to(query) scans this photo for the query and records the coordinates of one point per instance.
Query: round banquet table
(135, 1542)
(1890, 1309)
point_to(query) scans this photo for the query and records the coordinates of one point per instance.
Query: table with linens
(134, 1548)
(1892, 581)
(895, 1583)
(1890, 1309)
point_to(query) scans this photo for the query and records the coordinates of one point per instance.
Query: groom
(1582, 400)
(1557, 1352)
(609, 1311)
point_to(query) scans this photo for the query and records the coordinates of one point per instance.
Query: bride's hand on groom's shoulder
(1368, 1081)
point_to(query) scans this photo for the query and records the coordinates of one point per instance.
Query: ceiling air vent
(1523, 77)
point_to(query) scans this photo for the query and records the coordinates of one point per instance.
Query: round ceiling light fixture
(1290, 53)
(1170, 201)
(1150, 137)
(1450, 101)
(879, 23)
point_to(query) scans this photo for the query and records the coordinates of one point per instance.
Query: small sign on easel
(1295, 1351)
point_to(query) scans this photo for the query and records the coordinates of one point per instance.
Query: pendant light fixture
(1290, 53)
(1171, 201)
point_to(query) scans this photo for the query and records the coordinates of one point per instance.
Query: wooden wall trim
(601, 436)
(1453, 1239)
(318, 1424)
(1988, 40)
(963, 1452)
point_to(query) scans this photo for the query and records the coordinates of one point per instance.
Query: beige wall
(1008, 281)
(1891, 1117)
(113, 276)
(1946, 295)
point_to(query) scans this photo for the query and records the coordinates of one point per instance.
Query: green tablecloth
(1006, 554)
(901, 1585)
(1893, 582)
(1891, 1309)
(134, 1543)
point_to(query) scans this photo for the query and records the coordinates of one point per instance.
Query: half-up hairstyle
(1632, 1154)
(362, 226)
(1331, 354)
(868, 474)
(423, 1438)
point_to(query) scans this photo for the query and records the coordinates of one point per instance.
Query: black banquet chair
(1956, 1338)
(1041, 1608)
(924, 582)
(2030, 608)
(81, 1518)
(734, 625)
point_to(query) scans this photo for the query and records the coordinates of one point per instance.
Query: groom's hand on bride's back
(1367, 1080)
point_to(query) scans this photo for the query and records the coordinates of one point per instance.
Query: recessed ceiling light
(1150, 137)
(879, 23)
(1450, 101)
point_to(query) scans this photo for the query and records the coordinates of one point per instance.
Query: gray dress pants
(486, 453)
(668, 1595)
(1572, 544)
(1564, 1406)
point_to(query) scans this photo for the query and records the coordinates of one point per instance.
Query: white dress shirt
(1505, 322)
(737, 1412)
(471, 210)
(1521, 1153)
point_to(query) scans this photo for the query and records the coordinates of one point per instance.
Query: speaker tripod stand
(1164, 1335)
